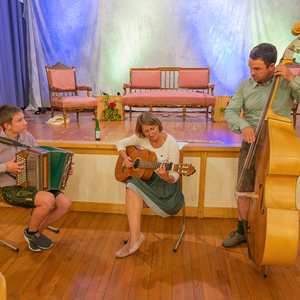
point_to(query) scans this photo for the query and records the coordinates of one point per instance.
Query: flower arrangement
(110, 113)
(222, 109)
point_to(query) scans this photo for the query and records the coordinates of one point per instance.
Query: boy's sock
(32, 232)
(240, 229)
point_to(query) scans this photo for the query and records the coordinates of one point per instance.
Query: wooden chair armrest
(125, 86)
(84, 88)
(211, 87)
(55, 88)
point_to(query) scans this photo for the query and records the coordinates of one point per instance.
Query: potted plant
(110, 113)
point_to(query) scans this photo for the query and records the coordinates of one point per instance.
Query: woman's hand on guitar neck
(164, 173)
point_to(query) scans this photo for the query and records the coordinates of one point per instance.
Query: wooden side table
(221, 101)
(101, 106)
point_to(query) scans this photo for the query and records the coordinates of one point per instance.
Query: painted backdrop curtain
(103, 39)
(14, 84)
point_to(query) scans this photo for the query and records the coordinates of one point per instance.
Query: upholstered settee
(169, 87)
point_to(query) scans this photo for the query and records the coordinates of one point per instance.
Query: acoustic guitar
(145, 164)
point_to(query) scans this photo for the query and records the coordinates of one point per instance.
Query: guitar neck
(151, 164)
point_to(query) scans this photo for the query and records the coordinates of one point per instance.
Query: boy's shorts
(19, 196)
(248, 181)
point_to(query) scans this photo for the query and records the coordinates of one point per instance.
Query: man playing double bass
(251, 95)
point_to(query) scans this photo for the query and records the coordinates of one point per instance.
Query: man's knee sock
(240, 229)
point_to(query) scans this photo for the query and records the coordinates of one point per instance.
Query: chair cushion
(193, 79)
(295, 71)
(74, 101)
(64, 79)
(145, 79)
(169, 98)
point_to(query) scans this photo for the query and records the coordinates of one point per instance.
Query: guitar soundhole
(136, 163)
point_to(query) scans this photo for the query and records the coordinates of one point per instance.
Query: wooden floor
(82, 263)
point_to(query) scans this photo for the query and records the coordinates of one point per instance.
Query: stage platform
(210, 147)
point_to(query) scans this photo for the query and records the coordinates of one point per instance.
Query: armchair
(63, 91)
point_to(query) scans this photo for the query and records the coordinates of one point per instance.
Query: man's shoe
(233, 239)
(40, 240)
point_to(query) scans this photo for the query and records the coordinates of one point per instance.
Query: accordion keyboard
(21, 177)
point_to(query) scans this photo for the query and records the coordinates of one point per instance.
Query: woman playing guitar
(162, 191)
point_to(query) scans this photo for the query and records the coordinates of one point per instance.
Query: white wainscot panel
(94, 180)
(221, 176)
(190, 184)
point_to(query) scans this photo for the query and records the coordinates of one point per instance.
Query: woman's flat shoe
(120, 253)
(137, 245)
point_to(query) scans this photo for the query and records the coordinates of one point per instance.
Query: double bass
(272, 228)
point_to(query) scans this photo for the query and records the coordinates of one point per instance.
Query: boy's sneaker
(33, 247)
(40, 240)
(233, 239)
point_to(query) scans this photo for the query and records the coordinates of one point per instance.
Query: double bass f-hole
(262, 198)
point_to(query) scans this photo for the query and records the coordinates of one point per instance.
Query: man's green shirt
(252, 96)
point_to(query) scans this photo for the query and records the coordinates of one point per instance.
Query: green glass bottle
(97, 131)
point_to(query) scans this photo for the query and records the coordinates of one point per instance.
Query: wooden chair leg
(123, 111)
(65, 115)
(52, 112)
(95, 112)
(213, 113)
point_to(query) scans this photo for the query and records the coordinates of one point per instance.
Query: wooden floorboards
(82, 263)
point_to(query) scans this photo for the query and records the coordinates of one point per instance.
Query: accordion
(46, 168)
